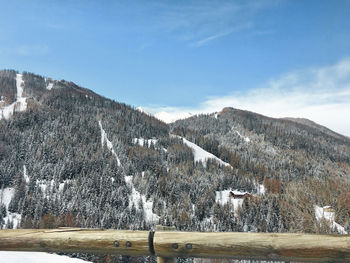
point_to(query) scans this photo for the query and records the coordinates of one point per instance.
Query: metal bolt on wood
(175, 246)
(188, 246)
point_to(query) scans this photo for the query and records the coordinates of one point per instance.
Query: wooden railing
(168, 245)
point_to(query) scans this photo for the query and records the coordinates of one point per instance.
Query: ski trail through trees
(109, 144)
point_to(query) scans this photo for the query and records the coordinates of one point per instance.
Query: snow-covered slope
(223, 197)
(6, 195)
(135, 199)
(246, 139)
(327, 213)
(19, 105)
(201, 155)
(36, 257)
(109, 144)
(49, 86)
(21, 101)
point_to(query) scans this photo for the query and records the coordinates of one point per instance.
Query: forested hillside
(69, 157)
(300, 163)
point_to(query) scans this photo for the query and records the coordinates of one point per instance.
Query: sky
(175, 58)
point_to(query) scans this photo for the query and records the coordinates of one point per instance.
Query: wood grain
(160, 228)
(76, 240)
(168, 244)
(262, 246)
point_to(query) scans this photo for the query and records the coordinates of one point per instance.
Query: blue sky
(175, 57)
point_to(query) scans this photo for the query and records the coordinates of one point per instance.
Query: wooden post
(160, 228)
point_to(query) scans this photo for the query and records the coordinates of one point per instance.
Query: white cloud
(169, 114)
(320, 94)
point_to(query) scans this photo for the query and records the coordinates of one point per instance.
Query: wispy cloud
(321, 94)
(204, 41)
(200, 22)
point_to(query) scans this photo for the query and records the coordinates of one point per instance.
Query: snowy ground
(327, 213)
(140, 109)
(25, 175)
(50, 86)
(36, 257)
(48, 186)
(223, 197)
(109, 144)
(201, 155)
(135, 200)
(144, 142)
(19, 105)
(135, 195)
(21, 101)
(6, 195)
(246, 139)
(261, 189)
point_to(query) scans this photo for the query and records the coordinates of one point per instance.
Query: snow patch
(36, 257)
(201, 155)
(109, 144)
(261, 189)
(6, 196)
(223, 197)
(140, 109)
(15, 218)
(246, 139)
(144, 142)
(19, 105)
(7, 111)
(25, 175)
(135, 199)
(50, 86)
(22, 104)
(44, 184)
(328, 213)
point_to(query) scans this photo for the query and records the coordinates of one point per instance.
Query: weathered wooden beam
(76, 240)
(167, 244)
(261, 246)
(160, 228)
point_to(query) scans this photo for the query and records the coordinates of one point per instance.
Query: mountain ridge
(86, 91)
(75, 158)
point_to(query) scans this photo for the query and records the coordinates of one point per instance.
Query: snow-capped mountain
(69, 157)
